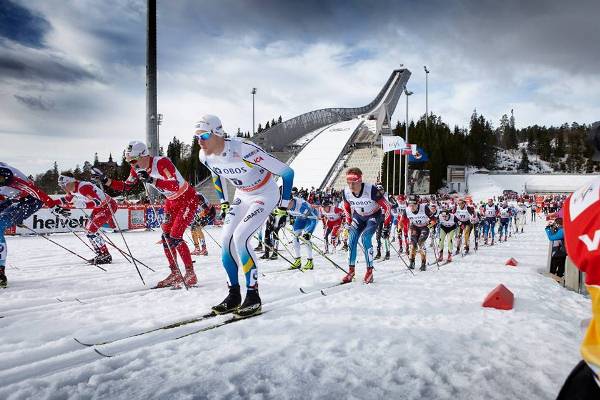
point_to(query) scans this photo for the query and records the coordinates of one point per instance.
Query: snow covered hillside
(484, 186)
(421, 336)
(509, 160)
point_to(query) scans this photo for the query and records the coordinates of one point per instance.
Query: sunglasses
(203, 135)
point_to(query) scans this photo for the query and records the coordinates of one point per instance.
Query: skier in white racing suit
(250, 169)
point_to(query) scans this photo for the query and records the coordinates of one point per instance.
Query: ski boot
(173, 279)
(296, 264)
(378, 255)
(441, 256)
(449, 257)
(387, 255)
(190, 278)
(104, 258)
(423, 266)
(196, 251)
(476, 246)
(203, 251)
(274, 256)
(259, 247)
(368, 275)
(457, 251)
(3, 280)
(521, 230)
(466, 250)
(230, 303)
(412, 264)
(309, 265)
(265, 256)
(349, 276)
(251, 305)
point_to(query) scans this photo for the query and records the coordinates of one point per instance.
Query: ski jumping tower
(321, 144)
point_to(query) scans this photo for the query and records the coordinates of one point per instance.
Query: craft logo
(258, 159)
(254, 213)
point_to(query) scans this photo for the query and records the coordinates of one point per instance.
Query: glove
(99, 175)
(6, 176)
(280, 212)
(224, 209)
(58, 210)
(385, 232)
(306, 236)
(144, 176)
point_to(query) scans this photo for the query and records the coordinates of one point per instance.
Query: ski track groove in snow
(409, 337)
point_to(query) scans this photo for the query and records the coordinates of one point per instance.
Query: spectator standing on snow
(555, 233)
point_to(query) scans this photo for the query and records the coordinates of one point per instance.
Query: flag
(418, 155)
(390, 143)
(407, 150)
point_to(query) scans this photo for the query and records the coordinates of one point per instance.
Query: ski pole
(76, 235)
(124, 241)
(315, 248)
(112, 244)
(212, 238)
(402, 258)
(61, 246)
(171, 250)
(435, 255)
(279, 254)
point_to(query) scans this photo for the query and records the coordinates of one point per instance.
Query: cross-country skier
(476, 224)
(22, 198)
(582, 233)
(420, 217)
(505, 216)
(490, 211)
(201, 219)
(534, 209)
(520, 217)
(305, 222)
(364, 207)
(381, 232)
(449, 224)
(250, 170)
(103, 207)
(434, 230)
(179, 209)
(402, 227)
(273, 225)
(332, 218)
(463, 213)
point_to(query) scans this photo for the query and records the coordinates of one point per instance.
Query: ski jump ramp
(331, 132)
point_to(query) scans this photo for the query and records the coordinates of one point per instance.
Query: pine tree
(524, 165)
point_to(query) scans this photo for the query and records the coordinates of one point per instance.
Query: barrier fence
(128, 217)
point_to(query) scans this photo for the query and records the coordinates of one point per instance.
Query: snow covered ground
(404, 337)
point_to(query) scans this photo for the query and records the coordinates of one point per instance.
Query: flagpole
(394, 174)
(407, 93)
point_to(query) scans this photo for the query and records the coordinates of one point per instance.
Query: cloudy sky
(72, 73)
